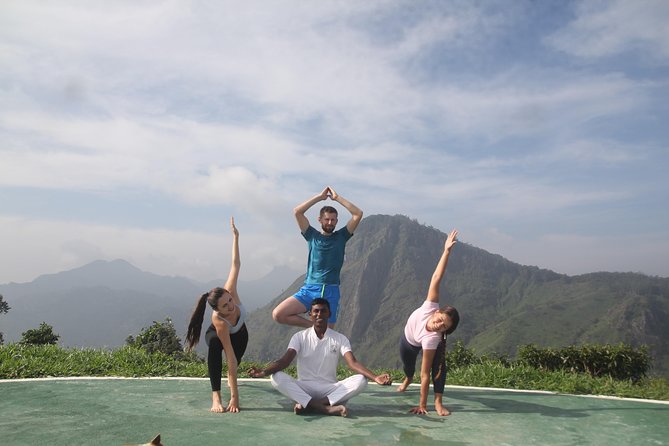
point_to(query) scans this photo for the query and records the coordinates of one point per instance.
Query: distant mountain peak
(116, 264)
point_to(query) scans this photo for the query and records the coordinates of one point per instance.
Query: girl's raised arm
(433, 291)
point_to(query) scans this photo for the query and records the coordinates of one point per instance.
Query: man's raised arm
(300, 210)
(356, 212)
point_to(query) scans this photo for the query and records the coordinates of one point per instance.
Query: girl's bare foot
(404, 384)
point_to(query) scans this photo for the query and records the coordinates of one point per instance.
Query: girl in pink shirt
(426, 330)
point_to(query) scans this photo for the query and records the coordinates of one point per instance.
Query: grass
(37, 361)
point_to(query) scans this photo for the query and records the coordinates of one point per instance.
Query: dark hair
(455, 318)
(197, 317)
(329, 210)
(320, 301)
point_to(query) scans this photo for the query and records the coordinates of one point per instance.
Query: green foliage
(460, 356)
(619, 362)
(159, 337)
(524, 377)
(40, 336)
(4, 308)
(34, 361)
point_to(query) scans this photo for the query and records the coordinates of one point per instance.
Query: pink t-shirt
(415, 330)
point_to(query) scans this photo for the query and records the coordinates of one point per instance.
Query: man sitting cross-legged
(317, 350)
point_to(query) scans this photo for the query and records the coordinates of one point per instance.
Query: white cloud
(294, 64)
(253, 107)
(53, 246)
(579, 254)
(234, 185)
(605, 28)
(588, 152)
(529, 104)
(169, 155)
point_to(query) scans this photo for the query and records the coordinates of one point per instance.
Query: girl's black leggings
(409, 353)
(215, 355)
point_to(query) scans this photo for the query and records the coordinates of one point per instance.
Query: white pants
(303, 391)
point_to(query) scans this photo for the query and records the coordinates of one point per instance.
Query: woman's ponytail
(195, 325)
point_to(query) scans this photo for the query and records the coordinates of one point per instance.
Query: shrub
(620, 362)
(460, 356)
(159, 337)
(40, 336)
(4, 308)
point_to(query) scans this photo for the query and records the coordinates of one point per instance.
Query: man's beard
(328, 229)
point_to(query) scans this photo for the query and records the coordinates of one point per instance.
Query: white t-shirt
(317, 359)
(416, 331)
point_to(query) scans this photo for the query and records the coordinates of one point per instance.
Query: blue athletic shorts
(329, 292)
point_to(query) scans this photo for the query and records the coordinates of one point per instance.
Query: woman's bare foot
(405, 384)
(217, 407)
(216, 404)
(441, 410)
(438, 405)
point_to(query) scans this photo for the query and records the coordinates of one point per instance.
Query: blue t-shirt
(326, 255)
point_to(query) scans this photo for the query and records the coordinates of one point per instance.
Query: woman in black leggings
(227, 332)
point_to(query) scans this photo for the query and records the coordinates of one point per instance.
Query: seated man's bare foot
(299, 409)
(337, 410)
(404, 384)
(323, 406)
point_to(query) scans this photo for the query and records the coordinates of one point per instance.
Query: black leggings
(409, 353)
(215, 356)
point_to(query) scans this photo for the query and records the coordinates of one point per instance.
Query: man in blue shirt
(326, 257)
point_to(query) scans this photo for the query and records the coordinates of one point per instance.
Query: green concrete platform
(116, 411)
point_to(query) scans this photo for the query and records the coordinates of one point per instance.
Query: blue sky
(135, 130)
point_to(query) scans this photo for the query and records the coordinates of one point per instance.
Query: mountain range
(502, 305)
(389, 263)
(101, 303)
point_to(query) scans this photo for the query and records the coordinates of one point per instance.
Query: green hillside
(502, 304)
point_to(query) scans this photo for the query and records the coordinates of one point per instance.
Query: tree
(40, 336)
(159, 337)
(4, 308)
